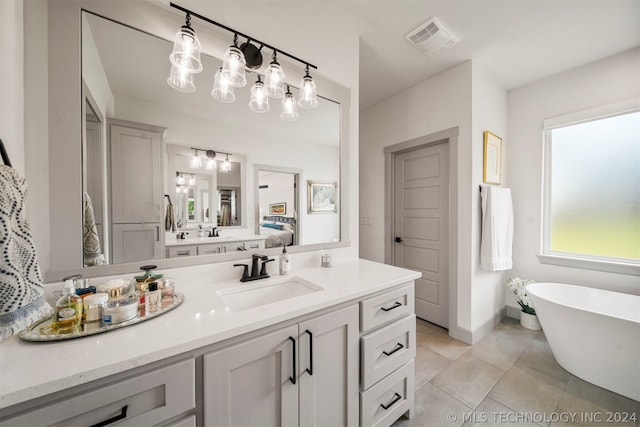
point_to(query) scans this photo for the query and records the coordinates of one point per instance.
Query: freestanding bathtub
(593, 333)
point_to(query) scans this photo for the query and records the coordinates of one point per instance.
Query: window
(591, 203)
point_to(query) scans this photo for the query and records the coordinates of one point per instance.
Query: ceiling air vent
(431, 37)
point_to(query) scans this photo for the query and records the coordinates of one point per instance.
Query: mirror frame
(65, 135)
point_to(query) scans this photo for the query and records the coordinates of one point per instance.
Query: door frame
(449, 136)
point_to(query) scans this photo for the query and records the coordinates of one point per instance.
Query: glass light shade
(222, 90)
(289, 108)
(180, 180)
(186, 50)
(211, 164)
(226, 165)
(181, 79)
(308, 93)
(196, 162)
(233, 66)
(259, 98)
(192, 181)
(274, 80)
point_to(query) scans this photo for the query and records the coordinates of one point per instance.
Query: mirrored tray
(42, 331)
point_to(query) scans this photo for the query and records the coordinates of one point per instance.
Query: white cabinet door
(136, 242)
(253, 383)
(136, 173)
(329, 369)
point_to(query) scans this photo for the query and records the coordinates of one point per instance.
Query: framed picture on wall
(322, 197)
(492, 158)
(278, 209)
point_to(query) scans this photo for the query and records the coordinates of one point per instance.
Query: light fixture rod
(207, 149)
(231, 30)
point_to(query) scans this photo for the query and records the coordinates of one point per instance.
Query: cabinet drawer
(208, 249)
(252, 245)
(386, 349)
(181, 251)
(386, 308)
(386, 401)
(146, 399)
(232, 247)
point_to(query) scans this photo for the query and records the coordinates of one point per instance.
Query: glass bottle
(68, 315)
(153, 298)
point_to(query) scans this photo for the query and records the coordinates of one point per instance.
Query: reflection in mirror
(209, 196)
(278, 205)
(139, 94)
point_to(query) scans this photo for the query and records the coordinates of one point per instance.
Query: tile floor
(508, 378)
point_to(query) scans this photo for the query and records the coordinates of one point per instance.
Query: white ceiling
(516, 41)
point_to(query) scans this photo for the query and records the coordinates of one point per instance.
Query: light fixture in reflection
(186, 48)
(211, 160)
(233, 65)
(226, 165)
(181, 79)
(289, 107)
(274, 79)
(222, 90)
(259, 97)
(196, 161)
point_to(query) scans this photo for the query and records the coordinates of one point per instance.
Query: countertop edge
(78, 378)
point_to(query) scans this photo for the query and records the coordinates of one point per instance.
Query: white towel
(497, 228)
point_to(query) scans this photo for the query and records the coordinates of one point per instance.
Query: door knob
(398, 239)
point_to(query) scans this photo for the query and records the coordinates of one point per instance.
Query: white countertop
(29, 370)
(204, 240)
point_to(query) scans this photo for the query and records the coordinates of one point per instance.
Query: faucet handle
(245, 271)
(265, 260)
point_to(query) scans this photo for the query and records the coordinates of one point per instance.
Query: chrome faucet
(257, 271)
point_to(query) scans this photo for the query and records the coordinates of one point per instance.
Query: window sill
(591, 264)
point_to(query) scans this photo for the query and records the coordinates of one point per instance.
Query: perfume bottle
(153, 298)
(68, 314)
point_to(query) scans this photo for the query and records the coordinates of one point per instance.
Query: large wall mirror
(139, 136)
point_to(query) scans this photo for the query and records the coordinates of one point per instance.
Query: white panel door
(421, 226)
(252, 383)
(136, 242)
(136, 175)
(328, 369)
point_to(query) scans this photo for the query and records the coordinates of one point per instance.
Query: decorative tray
(42, 331)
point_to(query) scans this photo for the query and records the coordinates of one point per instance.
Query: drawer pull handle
(398, 347)
(396, 397)
(182, 253)
(310, 368)
(396, 305)
(293, 378)
(121, 416)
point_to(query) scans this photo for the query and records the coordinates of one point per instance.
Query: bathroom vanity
(335, 348)
(212, 245)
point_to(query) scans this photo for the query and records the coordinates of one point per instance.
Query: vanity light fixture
(179, 178)
(222, 89)
(226, 165)
(181, 79)
(289, 107)
(192, 180)
(274, 79)
(186, 54)
(186, 48)
(211, 162)
(233, 65)
(308, 93)
(259, 98)
(195, 162)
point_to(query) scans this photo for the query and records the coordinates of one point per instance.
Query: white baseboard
(488, 326)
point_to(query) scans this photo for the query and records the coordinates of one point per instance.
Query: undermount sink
(255, 294)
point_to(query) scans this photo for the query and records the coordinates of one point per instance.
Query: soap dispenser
(285, 265)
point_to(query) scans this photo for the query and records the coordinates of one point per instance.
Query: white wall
(604, 82)
(12, 82)
(489, 102)
(440, 103)
(467, 97)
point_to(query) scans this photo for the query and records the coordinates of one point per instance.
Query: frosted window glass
(595, 188)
